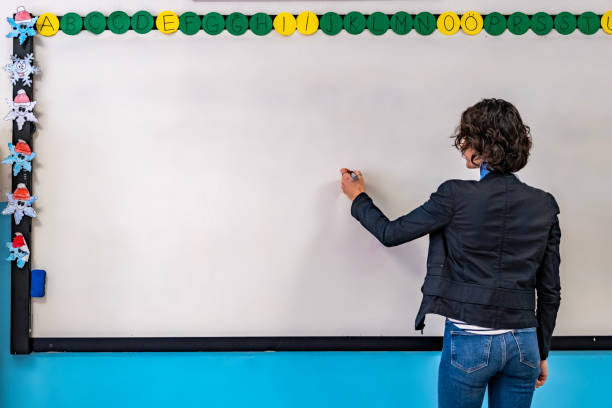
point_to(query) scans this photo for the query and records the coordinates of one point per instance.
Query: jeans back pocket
(527, 343)
(470, 352)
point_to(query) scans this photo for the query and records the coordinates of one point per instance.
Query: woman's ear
(472, 160)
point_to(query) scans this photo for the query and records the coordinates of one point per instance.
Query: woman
(493, 245)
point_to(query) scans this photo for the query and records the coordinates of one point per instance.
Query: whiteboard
(189, 186)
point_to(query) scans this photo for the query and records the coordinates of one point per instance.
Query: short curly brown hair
(493, 128)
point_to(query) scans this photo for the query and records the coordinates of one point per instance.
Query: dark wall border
(358, 343)
(20, 277)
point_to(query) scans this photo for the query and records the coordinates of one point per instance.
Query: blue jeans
(508, 363)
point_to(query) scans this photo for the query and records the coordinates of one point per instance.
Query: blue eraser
(37, 283)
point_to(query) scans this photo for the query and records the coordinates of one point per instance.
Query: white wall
(195, 179)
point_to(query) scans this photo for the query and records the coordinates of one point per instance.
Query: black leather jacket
(493, 244)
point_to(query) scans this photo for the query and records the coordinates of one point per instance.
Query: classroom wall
(270, 379)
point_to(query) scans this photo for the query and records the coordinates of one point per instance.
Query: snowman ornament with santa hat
(22, 25)
(21, 109)
(20, 203)
(18, 250)
(20, 157)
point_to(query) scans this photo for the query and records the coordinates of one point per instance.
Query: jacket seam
(452, 200)
(501, 245)
(551, 208)
(526, 291)
(524, 300)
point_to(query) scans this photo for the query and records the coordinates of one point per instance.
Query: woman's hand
(543, 374)
(352, 188)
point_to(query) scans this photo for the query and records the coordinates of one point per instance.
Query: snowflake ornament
(21, 69)
(18, 250)
(22, 25)
(21, 109)
(20, 157)
(20, 203)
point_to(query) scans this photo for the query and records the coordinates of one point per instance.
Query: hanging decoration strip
(21, 71)
(308, 22)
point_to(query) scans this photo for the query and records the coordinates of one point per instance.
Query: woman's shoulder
(453, 183)
(475, 189)
(543, 194)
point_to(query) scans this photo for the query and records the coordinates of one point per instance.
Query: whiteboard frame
(22, 343)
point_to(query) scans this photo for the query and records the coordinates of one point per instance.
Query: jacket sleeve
(432, 215)
(548, 286)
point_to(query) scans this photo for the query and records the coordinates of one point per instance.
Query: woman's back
(498, 232)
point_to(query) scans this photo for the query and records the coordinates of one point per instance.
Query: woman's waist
(460, 325)
(479, 293)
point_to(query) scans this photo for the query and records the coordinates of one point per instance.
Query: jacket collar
(485, 171)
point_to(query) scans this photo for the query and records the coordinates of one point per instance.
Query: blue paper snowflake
(22, 25)
(18, 250)
(20, 205)
(21, 69)
(19, 157)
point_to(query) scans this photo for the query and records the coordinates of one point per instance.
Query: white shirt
(471, 328)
